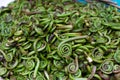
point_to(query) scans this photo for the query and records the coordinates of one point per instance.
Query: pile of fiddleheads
(59, 40)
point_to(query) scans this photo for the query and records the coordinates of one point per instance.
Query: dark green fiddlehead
(116, 68)
(107, 67)
(65, 50)
(29, 64)
(76, 75)
(73, 67)
(38, 47)
(33, 64)
(8, 56)
(97, 54)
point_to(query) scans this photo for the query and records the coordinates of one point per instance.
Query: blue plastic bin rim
(116, 1)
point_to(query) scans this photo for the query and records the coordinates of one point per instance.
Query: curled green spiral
(3, 70)
(107, 67)
(12, 64)
(39, 76)
(97, 55)
(36, 65)
(30, 64)
(38, 46)
(116, 68)
(108, 37)
(73, 67)
(65, 50)
(8, 57)
(78, 74)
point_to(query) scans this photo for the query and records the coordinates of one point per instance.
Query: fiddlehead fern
(78, 74)
(37, 64)
(30, 64)
(8, 57)
(65, 50)
(73, 67)
(107, 67)
(116, 68)
(3, 70)
(97, 54)
(12, 64)
(39, 76)
(38, 47)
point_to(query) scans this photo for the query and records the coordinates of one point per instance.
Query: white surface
(5, 2)
(1, 78)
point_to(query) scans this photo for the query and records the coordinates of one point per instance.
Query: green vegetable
(59, 40)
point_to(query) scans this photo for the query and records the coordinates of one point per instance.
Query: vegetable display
(59, 40)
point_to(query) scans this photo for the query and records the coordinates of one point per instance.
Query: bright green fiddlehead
(3, 70)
